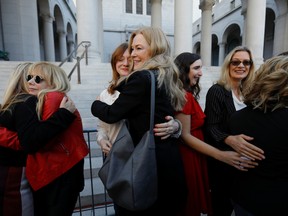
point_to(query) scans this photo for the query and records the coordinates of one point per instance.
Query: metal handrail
(73, 54)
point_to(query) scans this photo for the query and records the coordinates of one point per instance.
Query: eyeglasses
(37, 78)
(238, 62)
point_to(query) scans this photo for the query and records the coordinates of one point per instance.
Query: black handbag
(129, 173)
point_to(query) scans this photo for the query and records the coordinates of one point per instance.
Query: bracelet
(177, 133)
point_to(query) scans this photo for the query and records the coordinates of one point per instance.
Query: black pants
(220, 177)
(60, 196)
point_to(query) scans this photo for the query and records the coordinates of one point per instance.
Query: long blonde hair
(270, 86)
(16, 90)
(161, 60)
(54, 76)
(225, 79)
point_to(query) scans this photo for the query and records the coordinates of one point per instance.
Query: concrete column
(281, 31)
(100, 33)
(183, 20)
(49, 49)
(88, 29)
(62, 44)
(156, 13)
(255, 28)
(206, 26)
(71, 47)
(221, 52)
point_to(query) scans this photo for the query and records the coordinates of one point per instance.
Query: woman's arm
(172, 127)
(217, 110)
(34, 134)
(232, 158)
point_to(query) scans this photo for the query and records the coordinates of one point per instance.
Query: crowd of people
(231, 156)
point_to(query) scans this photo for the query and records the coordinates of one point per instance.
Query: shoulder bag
(129, 173)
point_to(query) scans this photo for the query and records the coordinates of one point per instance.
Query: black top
(264, 189)
(32, 133)
(133, 104)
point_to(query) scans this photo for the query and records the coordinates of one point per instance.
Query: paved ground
(97, 212)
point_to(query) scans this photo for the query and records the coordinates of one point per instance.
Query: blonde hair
(270, 86)
(225, 79)
(17, 87)
(54, 76)
(161, 60)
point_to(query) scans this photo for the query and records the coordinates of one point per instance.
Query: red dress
(198, 199)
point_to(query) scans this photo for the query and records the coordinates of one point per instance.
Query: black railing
(92, 206)
(73, 54)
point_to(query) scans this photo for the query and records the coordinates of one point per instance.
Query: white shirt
(239, 104)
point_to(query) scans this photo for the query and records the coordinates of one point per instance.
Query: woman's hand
(68, 104)
(165, 130)
(240, 144)
(236, 160)
(105, 146)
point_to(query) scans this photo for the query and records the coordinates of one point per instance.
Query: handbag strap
(152, 101)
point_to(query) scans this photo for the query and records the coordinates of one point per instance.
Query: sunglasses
(238, 62)
(37, 79)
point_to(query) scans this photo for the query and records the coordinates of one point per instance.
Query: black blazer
(218, 109)
(133, 104)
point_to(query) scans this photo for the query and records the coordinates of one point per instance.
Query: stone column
(255, 28)
(71, 47)
(88, 29)
(221, 52)
(49, 48)
(100, 33)
(183, 21)
(281, 31)
(62, 44)
(206, 26)
(156, 13)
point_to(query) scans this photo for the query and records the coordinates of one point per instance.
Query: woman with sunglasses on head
(18, 114)
(222, 100)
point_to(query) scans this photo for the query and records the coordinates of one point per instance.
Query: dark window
(139, 7)
(148, 7)
(129, 6)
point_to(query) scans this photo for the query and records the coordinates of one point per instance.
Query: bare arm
(229, 157)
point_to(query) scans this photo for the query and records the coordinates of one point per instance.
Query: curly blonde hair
(270, 85)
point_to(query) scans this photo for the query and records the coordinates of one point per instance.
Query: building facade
(47, 29)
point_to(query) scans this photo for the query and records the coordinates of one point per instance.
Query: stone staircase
(95, 78)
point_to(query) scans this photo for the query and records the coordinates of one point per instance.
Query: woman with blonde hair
(17, 113)
(263, 190)
(222, 100)
(150, 50)
(56, 184)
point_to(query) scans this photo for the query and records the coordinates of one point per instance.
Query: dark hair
(183, 62)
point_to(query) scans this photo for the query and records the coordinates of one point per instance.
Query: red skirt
(195, 167)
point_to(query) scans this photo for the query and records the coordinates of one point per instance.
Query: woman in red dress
(192, 147)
